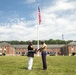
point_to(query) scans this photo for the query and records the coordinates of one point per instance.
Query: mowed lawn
(57, 65)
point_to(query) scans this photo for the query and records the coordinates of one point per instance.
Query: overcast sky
(19, 19)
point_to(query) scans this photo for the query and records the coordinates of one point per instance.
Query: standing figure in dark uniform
(43, 54)
(30, 55)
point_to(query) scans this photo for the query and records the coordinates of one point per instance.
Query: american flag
(39, 15)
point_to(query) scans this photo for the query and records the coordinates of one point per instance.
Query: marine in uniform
(43, 54)
(30, 55)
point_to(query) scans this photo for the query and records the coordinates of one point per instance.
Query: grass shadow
(25, 68)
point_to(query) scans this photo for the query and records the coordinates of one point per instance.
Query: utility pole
(64, 46)
(62, 37)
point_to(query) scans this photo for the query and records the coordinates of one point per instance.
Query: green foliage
(52, 54)
(50, 41)
(73, 53)
(3, 54)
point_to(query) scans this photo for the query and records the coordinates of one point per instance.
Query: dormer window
(72, 46)
(5, 46)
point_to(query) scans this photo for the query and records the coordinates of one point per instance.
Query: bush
(3, 54)
(73, 53)
(52, 54)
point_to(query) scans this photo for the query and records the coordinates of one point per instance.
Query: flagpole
(38, 39)
(38, 36)
(39, 18)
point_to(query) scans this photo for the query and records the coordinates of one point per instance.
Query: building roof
(4, 44)
(35, 46)
(72, 43)
(23, 46)
(20, 46)
(55, 46)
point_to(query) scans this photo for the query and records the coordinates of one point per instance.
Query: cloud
(30, 1)
(18, 30)
(57, 19)
(56, 24)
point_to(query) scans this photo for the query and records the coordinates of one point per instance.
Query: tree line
(50, 41)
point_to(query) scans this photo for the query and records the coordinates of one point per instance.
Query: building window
(16, 52)
(23, 49)
(23, 52)
(72, 49)
(55, 49)
(19, 52)
(72, 46)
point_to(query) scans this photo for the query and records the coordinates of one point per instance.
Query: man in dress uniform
(43, 54)
(30, 55)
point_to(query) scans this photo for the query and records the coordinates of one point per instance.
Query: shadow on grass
(23, 68)
(32, 68)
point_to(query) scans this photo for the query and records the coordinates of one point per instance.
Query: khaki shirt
(44, 48)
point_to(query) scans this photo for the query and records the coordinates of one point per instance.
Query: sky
(19, 20)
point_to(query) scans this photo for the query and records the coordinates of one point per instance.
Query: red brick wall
(74, 48)
(70, 49)
(57, 51)
(21, 50)
(12, 51)
(2, 49)
(7, 50)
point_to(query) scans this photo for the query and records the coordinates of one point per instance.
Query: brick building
(58, 49)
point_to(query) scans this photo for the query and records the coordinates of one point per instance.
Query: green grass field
(57, 65)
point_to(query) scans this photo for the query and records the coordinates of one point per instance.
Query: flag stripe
(39, 15)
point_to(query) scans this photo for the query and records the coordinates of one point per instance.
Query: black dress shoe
(44, 69)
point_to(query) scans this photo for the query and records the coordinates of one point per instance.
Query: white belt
(31, 51)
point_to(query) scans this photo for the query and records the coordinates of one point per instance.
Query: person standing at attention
(30, 55)
(43, 54)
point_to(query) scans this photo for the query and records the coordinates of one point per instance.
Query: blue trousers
(44, 60)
